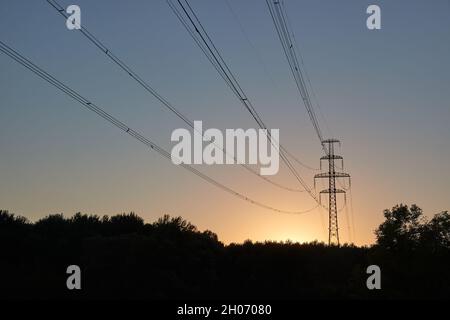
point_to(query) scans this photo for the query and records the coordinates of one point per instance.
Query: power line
(122, 126)
(195, 28)
(289, 45)
(250, 43)
(279, 19)
(348, 223)
(259, 58)
(152, 91)
(299, 52)
(352, 217)
(352, 214)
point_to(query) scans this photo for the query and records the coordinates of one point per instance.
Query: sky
(384, 93)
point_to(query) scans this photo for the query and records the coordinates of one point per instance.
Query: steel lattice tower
(332, 175)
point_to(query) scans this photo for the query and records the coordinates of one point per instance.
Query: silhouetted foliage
(414, 253)
(124, 257)
(435, 235)
(10, 221)
(401, 230)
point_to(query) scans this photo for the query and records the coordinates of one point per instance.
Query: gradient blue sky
(385, 94)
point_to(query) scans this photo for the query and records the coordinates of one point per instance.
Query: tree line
(123, 257)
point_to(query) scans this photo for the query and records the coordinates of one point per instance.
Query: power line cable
(348, 222)
(195, 28)
(352, 214)
(250, 43)
(290, 47)
(259, 58)
(122, 126)
(279, 19)
(152, 91)
(308, 78)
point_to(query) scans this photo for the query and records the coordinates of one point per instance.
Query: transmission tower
(332, 175)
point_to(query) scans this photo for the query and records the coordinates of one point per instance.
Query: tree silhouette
(435, 235)
(123, 257)
(401, 229)
(10, 221)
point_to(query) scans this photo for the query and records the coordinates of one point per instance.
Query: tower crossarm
(329, 157)
(331, 191)
(330, 141)
(331, 175)
(332, 157)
